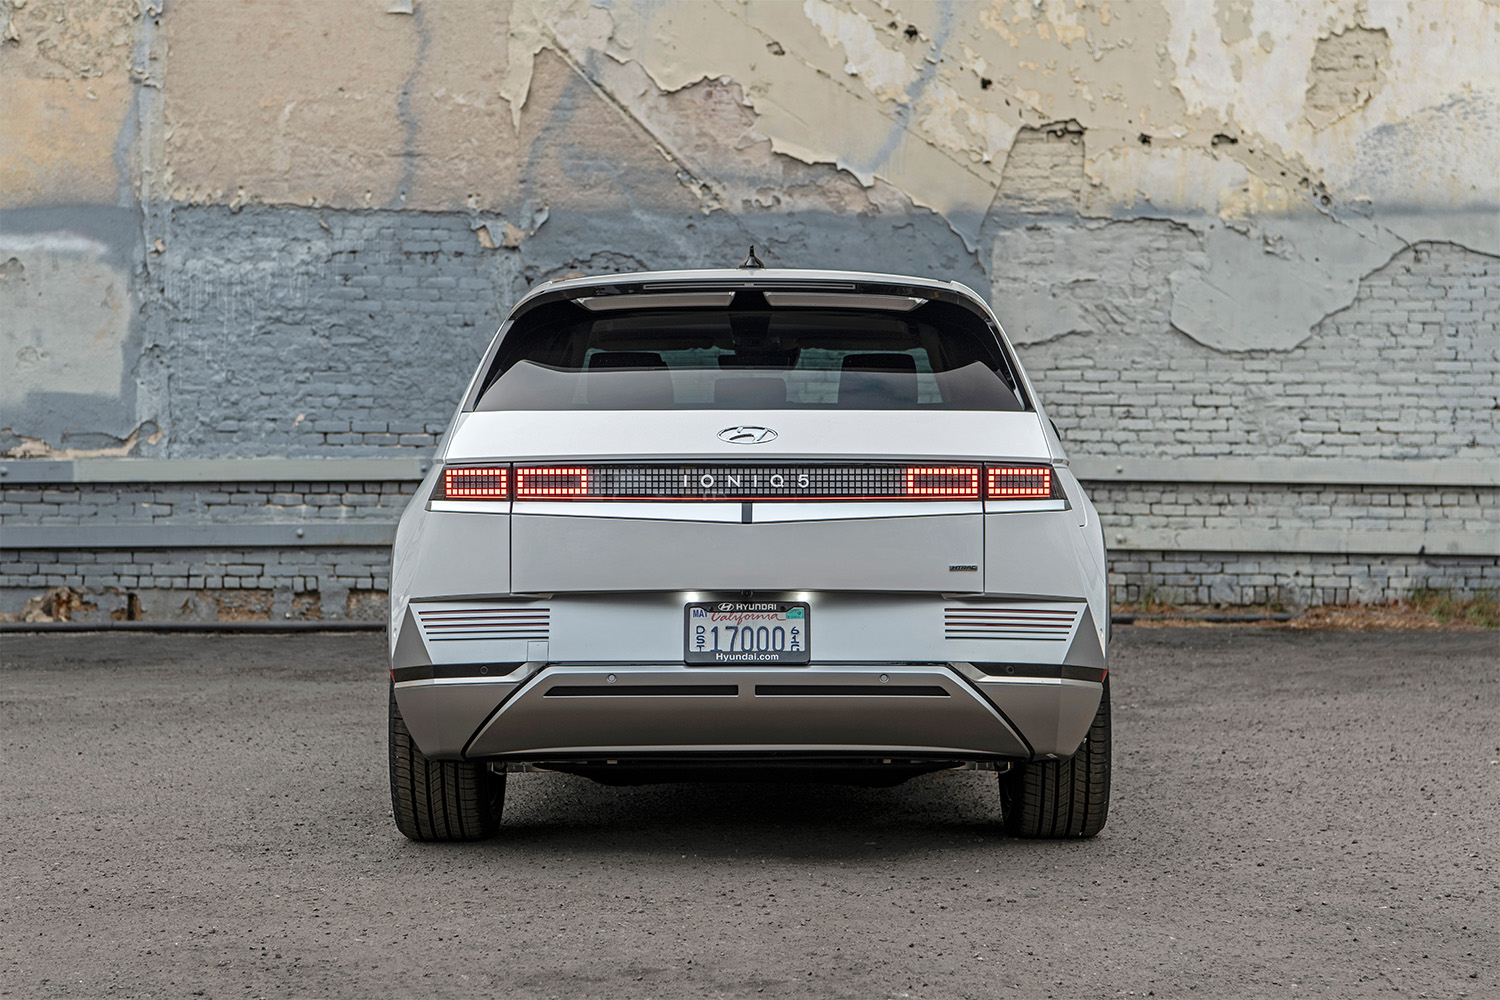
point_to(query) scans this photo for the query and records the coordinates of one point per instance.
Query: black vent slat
(848, 690)
(641, 691)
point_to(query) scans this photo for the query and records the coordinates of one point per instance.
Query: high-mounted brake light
(489, 483)
(551, 483)
(1020, 482)
(959, 482)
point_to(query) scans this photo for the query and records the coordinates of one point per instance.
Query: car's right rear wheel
(1062, 798)
(440, 799)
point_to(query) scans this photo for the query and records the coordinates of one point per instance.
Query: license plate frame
(702, 648)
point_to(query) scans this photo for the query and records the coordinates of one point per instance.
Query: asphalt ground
(1295, 815)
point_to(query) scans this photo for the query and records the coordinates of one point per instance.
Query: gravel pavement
(1294, 815)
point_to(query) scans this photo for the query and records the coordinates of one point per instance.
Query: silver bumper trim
(540, 710)
(659, 709)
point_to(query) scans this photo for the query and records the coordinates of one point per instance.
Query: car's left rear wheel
(1062, 798)
(440, 799)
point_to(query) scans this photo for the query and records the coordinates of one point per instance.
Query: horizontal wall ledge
(1304, 541)
(213, 470)
(194, 536)
(1425, 472)
(126, 535)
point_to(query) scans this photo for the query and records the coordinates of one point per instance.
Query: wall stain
(411, 125)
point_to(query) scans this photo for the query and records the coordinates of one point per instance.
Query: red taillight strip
(958, 482)
(552, 483)
(910, 482)
(1024, 482)
(476, 484)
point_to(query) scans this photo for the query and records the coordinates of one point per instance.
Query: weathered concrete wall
(1227, 230)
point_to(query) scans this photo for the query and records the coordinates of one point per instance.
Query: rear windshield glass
(938, 356)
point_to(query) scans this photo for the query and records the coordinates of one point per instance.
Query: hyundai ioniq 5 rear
(750, 521)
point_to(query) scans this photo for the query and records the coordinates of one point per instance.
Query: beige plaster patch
(65, 79)
(346, 106)
(875, 90)
(289, 102)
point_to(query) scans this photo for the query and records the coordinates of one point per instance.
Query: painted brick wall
(350, 582)
(205, 503)
(185, 584)
(303, 332)
(1240, 506)
(1283, 581)
(233, 257)
(361, 341)
(1411, 369)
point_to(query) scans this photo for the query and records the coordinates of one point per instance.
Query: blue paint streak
(914, 91)
(409, 121)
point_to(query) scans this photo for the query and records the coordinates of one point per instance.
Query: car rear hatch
(716, 500)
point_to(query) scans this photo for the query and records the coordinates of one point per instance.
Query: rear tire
(440, 799)
(1062, 798)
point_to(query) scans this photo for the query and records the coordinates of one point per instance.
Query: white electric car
(755, 521)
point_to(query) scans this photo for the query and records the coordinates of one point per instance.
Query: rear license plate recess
(747, 632)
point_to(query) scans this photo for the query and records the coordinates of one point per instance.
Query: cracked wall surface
(1302, 144)
(285, 229)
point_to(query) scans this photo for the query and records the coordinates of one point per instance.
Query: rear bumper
(580, 711)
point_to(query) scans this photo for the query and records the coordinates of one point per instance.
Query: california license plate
(731, 632)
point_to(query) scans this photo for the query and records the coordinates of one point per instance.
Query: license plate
(737, 632)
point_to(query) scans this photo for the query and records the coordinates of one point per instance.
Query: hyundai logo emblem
(747, 435)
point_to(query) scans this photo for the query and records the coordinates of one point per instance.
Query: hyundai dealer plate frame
(747, 633)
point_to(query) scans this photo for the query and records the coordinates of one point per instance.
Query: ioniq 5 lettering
(760, 520)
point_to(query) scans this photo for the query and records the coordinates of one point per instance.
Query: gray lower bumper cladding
(930, 710)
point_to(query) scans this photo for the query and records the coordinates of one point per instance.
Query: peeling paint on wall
(125, 447)
(1211, 126)
(1298, 145)
(1231, 228)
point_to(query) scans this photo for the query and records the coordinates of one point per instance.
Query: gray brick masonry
(207, 584)
(206, 503)
(1411, 369)
(358, 341)
(297, 333)
(1287, 582)
(1342, 508)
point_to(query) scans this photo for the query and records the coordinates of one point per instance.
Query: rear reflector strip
(1032, 671)
(446, 671)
